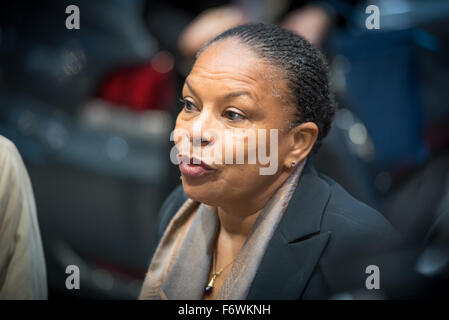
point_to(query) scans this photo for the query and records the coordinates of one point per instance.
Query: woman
(233, 231)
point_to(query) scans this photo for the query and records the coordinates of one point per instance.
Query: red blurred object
(148, 86)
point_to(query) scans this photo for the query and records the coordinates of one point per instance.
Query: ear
(302, 139)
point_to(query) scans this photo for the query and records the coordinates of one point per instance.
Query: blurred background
(91, 110)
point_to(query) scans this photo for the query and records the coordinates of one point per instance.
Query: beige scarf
(181, 263)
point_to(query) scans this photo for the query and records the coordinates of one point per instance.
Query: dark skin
(227, 89)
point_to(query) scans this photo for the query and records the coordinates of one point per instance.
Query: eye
(188, 105)
(234, 116)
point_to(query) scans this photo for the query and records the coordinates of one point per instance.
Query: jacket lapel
(297, 243)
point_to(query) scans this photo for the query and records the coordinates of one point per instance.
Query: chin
(203, 193)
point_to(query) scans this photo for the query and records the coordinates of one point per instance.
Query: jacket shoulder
(347, 217)
(359, 236)
(170, 206)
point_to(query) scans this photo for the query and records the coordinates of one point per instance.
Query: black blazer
(314, 251)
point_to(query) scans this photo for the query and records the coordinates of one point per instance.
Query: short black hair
(304, 66)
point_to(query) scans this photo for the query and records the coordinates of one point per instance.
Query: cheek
(257, 146)
(239, 146)
(238, 180)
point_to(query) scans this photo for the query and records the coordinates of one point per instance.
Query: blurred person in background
(194, 23)
(310, 21)
(22, 264)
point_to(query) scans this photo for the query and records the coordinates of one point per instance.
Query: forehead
(234, 64)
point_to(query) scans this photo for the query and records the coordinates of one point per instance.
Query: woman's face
(229, 90)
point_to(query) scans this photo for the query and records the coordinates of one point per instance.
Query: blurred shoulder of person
(22, 264)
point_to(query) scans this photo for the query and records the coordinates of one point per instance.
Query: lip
(188, 167)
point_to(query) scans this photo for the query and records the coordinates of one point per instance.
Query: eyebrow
(190, 88)
(227, 97)
(237, 94)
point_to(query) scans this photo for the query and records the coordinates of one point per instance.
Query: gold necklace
(215, 274)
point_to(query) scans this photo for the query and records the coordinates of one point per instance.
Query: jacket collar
(297, 243)
(306, 207)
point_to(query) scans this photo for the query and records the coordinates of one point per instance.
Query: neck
(237, 216)
(236, 224)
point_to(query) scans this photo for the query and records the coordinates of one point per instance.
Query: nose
(200, 129)
(198, 140)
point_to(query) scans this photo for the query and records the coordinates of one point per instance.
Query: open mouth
(193, 167)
